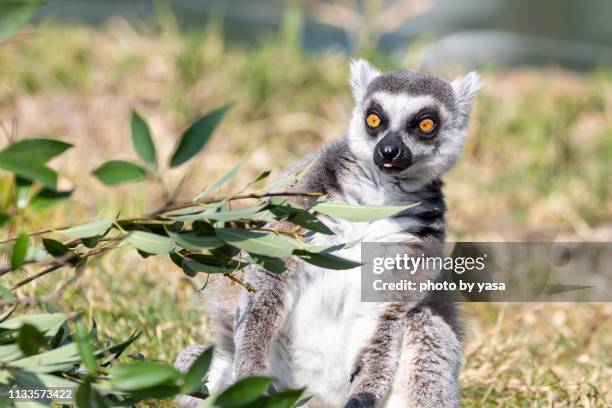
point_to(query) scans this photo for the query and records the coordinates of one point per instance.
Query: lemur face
(409, 124)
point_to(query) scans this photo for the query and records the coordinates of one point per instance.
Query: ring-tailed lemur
(307, 327)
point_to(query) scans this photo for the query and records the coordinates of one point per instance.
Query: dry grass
(537, 164)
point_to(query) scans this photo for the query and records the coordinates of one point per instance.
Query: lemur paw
(363, 400)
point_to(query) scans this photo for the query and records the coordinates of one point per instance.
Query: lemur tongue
(387, 165)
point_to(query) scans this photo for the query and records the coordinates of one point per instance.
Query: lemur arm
(257, 322)
(378, 362)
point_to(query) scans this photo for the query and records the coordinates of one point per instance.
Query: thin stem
(63, 261)
(157, 215)
(242, 283)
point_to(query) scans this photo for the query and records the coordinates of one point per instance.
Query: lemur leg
(378, 362)
(257, 322)
(183, 363)
(427, 376)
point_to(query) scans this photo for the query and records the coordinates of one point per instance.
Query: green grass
(537, 160)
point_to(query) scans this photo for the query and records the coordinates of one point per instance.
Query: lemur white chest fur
(326, 325)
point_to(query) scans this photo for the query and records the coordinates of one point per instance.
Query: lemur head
(409, 124)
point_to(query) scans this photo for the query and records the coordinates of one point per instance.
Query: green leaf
(328, 261)
(91, 242)
(296, 214)
(47, 198)
(90, 229)
(358, 213)
(54, 248)
(30, 339)
(86, 349)
(262, 175)
(14, 14)
(143, 374)
(194, 263)
(292, 178)
(31, 380)
(199, 368)
(193, 242)
(10, 352)
(141, 139)
(195, 138)
(150, 243)
(31, 171)
(87, 396)
(243, 392)
(48, 323)
(224, 179)
(118, 349)
(27, 159)
(116, 172)
(284, 399)
(257, 242)
(34, 151)
(49, 361)
(19, 251)
(274, 265)
(232, 215)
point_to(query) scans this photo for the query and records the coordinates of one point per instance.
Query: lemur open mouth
(391, 168)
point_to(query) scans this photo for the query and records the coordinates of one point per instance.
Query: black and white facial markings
(409, 124)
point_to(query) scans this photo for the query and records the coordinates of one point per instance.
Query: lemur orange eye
(427, 125)
(373, 120)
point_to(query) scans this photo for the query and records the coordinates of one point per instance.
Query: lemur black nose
(389, 152)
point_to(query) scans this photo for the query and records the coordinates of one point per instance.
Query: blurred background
(537, 165)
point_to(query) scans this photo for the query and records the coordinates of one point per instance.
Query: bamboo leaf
(232, 215)
(326, 260)
(55, 248)
(19, 251)
(31, 171)
(194, 263)
(196, 136)
(30, 339)
(257, 242)
(47, 198)
(87, 230)
(87, 396)
(197, 371)
(296, 214)
(358, 213)
(274, 265)
(48, 323)
(142, 375)
(141, 139)
(194, 242)
(34, 151)
(86, 349)
(66, 355)
(243, 392)
(150, 243)
(116, 172)
(224, 179)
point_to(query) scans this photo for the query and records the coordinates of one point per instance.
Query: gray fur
(412, 356)
(414, 83)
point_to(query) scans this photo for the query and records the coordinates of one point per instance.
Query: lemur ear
(466, 88)
(362, 73)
